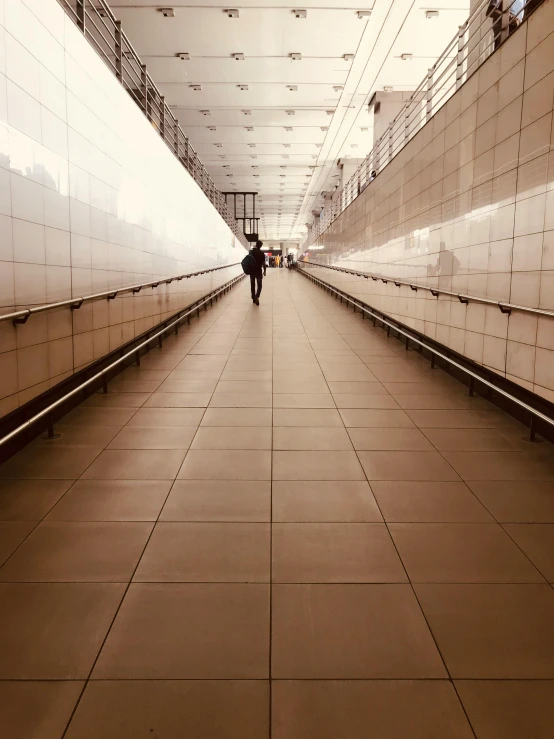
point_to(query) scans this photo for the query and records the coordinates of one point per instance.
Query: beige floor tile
(115, 400)
(237, 417)
(537, 542)
(342, 373)
(401, 439)
(218, 500)
(188, 386)
(241, 400)
(12, 534)
(461, 553)
(508, 709)
(244, 386)
(303, 400)
(319, 417)
(357, 709)
(350, 400)
(316, 466)
(232, 437)
(167, 417)
(310, 438)
(154, 437)
(342, 501)
(133, 386)
(374, 418)
(53, 631)
(501, 466)
(492, 631)
(406, 466)
(300, 387)
(37, 709)
(206, 552)
(517, 501)
(112, 500)
(29, 500)
(226, 709)
(78, 552)
(357, 388)
(49, 463)
(429, 402)
(250, 376)
(143, 464)
(425, 387)
(429, 502)
(178, 400)
(468, 440)
(76, 436)
(395, 373)
(189, 631)
(226, 465)
(351, 632)
(334, 553)
(448, 419)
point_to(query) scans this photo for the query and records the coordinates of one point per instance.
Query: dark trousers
(256, 278)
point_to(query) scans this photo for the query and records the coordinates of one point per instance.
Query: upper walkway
(279, 492)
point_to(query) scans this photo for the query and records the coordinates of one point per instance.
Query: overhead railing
(390, 324)
(22, 316)
(436, 291)
(100, 26)
(475, 41)
(46, 417)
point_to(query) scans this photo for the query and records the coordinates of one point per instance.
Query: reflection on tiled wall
(90, 199)
(468, 206)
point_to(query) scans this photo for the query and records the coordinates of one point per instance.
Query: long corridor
(279, 492)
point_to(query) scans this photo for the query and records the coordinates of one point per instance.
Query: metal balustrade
(390, 324)
(22, 316)
(436, 291)
(475, 41)
(100, 26)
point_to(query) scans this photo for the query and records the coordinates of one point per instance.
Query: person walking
(258, 272)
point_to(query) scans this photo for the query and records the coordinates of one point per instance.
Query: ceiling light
(282, 166)
(212, 128)
(431, 14)
(255, 166)
(184, 57)
(218, 145)
(406, 57)
(253, 156)
(364, 13)
(290, 112)
(348, 57)
(338, 88)
(205, 112)
(232, 12)
(252, 146)
(282, 175)
(249, 128)
(330, 112)
(287, 146)
(293, 88)
(296, 56)
(364, 128)
(242, 87)
(354, 146)
(387, 88)
(238, 57)
(247, 112)
(197, 88)
(223, 156)
(324, 128)
(288, 128)
(226, 166)
(167, 12)
(285, 156)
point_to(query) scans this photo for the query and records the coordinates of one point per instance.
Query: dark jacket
(259, 256)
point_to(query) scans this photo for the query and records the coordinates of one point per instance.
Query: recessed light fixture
(364, 13)
(288, 128)
(290, 112)
(330, 112)
(348, 57)
(387, 88)
(232, 12)
(285, 156)
(226, 166)
(242, 87)
(249, 128)
(364, 128)
(206, 112)
(167, 12)
(247, 112)
(324, 128)
(406, 57)
(296, 56)
(287, 146)
(253, 156)
(431, 14)
(300, 13)
(238, 57)
(184, 57)
(338, 88)
(197, 88)
(354, 146)
(292, 88)
(212, 128)
(252, 146)
(218, 145)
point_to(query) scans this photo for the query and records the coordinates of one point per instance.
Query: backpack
(248, 264)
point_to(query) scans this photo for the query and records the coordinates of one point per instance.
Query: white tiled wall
(468, 206)
(90, 199)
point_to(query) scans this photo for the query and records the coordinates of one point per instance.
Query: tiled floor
(282, 524)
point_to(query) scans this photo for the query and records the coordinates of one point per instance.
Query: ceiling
(284, 134)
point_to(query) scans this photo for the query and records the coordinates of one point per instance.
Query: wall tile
(27, 199)
(23, 111)
(537, 100)
(520, 360)
(527, 253)
(28, 242)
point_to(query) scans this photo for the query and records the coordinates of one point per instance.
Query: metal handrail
(21, 316)
(435, 353)
(436, 291)
(134, 353)
(100, 26)
(451, 70)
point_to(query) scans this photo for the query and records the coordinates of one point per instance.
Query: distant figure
(290, 257)
(373, 175)
(258, 272)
